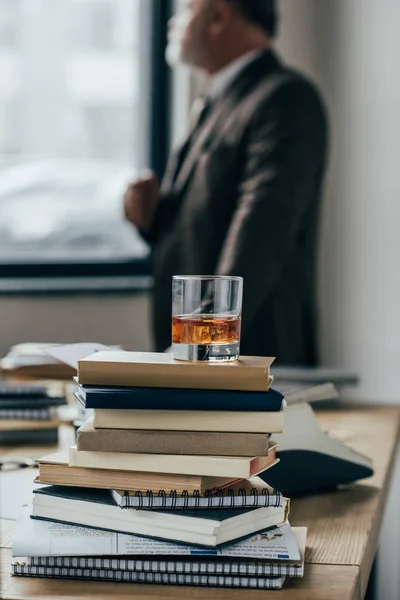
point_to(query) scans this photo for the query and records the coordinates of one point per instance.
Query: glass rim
(209, 277)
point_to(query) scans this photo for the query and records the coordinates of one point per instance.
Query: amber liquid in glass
(205, 329)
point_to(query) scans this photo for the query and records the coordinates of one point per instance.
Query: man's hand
(141, 200)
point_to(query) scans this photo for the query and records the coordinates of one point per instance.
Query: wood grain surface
(343, 528)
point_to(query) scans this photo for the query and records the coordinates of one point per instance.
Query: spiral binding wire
(220, 567)
(214, 499)
(148, 577)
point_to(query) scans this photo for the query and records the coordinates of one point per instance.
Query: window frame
(128, 274)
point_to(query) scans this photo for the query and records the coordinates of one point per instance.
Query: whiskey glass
(206, 317)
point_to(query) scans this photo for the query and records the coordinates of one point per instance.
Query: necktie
(200, 109)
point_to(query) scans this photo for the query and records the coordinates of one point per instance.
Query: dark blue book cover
(142, 398)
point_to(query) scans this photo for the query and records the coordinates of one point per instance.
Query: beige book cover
(156, 369)
(55, 470)
(171, 442)
(27, 424)
(212, 466)
(190, 420)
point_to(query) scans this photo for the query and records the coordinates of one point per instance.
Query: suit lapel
(239, 88)
(200, 143)
(177, 157)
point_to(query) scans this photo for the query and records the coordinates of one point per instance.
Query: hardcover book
(209, 443)
(118, 397)
(155, 369)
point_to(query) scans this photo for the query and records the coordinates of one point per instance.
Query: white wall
(352, 49)
(110, 319)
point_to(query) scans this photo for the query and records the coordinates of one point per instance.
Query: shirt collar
(222, 79)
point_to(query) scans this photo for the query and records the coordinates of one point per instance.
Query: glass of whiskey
(206, 317)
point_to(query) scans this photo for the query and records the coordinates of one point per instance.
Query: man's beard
(174, 51)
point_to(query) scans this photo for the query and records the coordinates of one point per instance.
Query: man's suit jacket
(242, 197)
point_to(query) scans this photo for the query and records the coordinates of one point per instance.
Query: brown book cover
(156, 369)
(171, 442)
(55, 470)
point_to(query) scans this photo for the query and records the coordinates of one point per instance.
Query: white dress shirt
(222, 79)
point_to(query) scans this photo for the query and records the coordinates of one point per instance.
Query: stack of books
(29, 414)
(168, 465)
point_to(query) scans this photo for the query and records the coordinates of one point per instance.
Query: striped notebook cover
(269, 583)
(183, 565)
(249, 493)
(38, 414)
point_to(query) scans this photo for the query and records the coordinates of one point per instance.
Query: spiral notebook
(22, 391)
(232, 561)
(38, 414)
(163, 565)
(265, 583)
(30, 402)
(96, 508)
(249, 493)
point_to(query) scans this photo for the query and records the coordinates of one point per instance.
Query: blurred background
(87, 102)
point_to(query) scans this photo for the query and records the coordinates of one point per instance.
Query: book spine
(151, 578)
(183, 565)
(182, 399)
(163, 376)
(241, 422)
(173, 442)
(235, 467)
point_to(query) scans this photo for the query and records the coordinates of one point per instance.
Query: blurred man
(241, 196)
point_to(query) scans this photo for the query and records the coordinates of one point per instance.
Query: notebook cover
(249, 493)
(178, 558)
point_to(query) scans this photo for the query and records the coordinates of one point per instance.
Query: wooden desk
(343, 530)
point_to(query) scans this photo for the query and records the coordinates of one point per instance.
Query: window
(76, 107)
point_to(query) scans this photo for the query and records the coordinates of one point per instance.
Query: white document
(70, 354)
(45, 538)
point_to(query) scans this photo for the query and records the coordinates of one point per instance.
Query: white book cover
(35, 538)
(213, 466)
(190, 420)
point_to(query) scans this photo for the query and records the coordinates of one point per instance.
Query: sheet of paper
(45, 538)
(70, 354)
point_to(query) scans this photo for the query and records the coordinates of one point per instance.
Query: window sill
(111, 277)
(74, 285)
